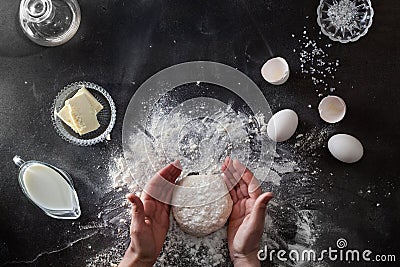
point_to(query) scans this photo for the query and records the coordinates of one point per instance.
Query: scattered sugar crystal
(315, 62)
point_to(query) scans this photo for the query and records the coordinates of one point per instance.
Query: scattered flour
(201, 144)
(239, 136)
(308, 143)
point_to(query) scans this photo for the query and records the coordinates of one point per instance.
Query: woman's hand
(150, 218)
(246, 222)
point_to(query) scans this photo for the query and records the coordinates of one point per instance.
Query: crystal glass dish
(106, 116)
(345, 20)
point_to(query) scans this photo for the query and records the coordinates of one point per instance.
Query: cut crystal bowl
(345, 20)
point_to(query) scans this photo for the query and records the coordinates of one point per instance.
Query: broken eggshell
(345, 148)
(282, 125)
(332, 109)
(275, 71)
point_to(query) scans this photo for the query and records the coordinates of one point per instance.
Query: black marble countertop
(122, 43)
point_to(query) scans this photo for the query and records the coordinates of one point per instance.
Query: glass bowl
(106, 116)
(345, 20)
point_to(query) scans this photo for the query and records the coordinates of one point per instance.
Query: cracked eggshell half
(332, 109)
(345, 148)
(282, 125)
(275, 71)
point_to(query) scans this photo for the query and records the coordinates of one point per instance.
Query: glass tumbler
(49, 22)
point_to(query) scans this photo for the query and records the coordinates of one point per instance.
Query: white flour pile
(200, 144)
(229, 133)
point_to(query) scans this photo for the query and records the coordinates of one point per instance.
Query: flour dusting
(201, 145)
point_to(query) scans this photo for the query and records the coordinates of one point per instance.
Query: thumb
(137, 211)
(259, 208)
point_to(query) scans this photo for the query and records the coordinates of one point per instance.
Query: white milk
(47, 188)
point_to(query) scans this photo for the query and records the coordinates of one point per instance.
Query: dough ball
(201, 204)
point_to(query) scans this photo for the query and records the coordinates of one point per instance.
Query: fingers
(231, 181)
(259, 208)
(229, 171)
(137, 212)
(161, 185)
(171, 172)
(248, 177)
(242, 189)
(235, 173)
(231, 189)
(225, 163)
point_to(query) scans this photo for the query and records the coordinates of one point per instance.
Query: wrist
(134, 263)
(131, 259)
(250, 260)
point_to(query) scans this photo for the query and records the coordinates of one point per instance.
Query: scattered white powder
(238, 135)
(306, 234)
(200, 144)
(316, 64)
(181, 249)
(284, 166)
(308, 143)
(120, 175)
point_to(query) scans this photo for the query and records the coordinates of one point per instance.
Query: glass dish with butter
(83, 113)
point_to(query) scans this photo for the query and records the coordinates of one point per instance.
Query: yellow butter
(93, 101)
(64, 115)
(82, 113)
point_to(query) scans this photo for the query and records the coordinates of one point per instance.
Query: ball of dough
(201, 204)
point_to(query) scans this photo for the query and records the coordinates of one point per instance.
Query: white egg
(282, 125)
(275, 71)
(345, 148)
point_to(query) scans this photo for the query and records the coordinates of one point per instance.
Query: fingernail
(177, 164)
(134, 207)
(253, 186)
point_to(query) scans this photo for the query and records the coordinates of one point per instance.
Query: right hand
(246, 222)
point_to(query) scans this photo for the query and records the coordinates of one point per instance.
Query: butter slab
(64, 115)
(93, 101)
(83, 114)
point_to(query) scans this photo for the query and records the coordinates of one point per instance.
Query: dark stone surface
(121, 43)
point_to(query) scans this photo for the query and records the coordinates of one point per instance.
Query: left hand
(150, 218)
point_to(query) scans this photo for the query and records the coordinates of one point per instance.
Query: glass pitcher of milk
(49, 188)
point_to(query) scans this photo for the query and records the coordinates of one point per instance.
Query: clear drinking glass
(49, 22)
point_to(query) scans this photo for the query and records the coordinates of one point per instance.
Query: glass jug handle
(18, 161)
